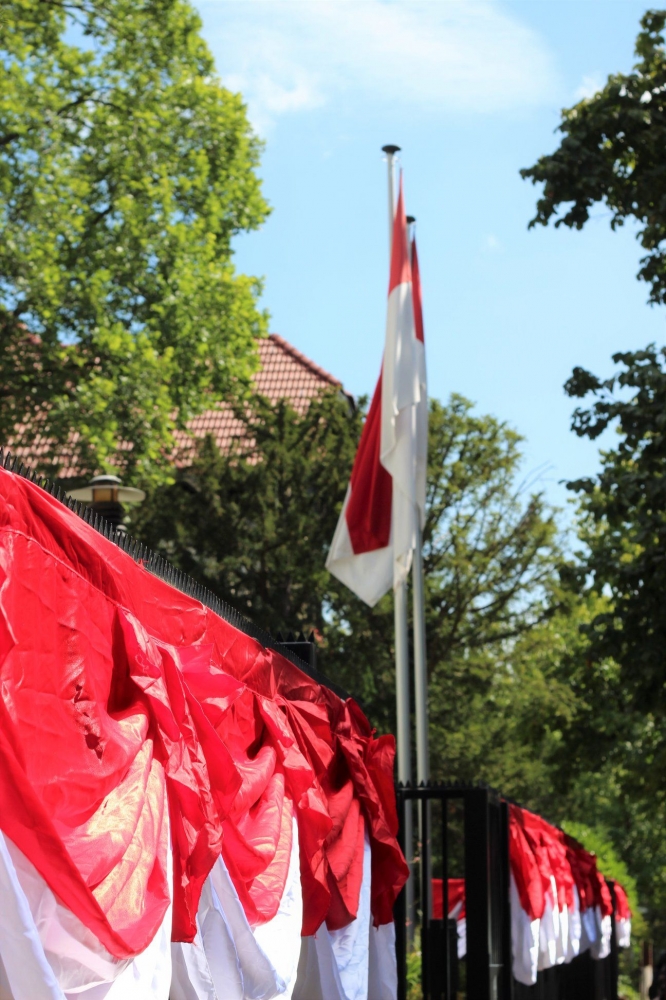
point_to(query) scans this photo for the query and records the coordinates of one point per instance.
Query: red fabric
(122, 698)
(539, 851)
(456, 897)
(622, 908)
(368, 512)
(416, 294)
(401, 271)
(531, 883)
(550, 851)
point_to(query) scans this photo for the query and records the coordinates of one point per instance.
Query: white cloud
(589, 86)
(289, 56)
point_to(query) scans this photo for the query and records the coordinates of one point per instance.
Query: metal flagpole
(420, 669)
(402, 645)
(421, 695)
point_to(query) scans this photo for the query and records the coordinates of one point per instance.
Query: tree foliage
(125, 170)
(613, 748)
(612, 152)
(255, 524)
(624, 520)
(490, 558)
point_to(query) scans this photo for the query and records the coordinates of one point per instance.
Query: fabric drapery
(143, 738)
(561, 904)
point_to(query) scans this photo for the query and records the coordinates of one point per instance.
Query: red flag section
(368, 511)
(416, 293)
(131, 713)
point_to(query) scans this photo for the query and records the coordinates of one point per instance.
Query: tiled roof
(284, 373)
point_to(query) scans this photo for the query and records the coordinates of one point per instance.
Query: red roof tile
(284, 373)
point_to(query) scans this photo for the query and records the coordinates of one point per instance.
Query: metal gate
(486, 868)
(486, 973)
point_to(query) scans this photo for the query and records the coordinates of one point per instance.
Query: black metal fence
(464, 832)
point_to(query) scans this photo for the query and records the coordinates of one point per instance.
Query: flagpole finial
(390, 150)
(410, 219)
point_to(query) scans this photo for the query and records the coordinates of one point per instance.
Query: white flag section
(46, 953)
(376, 533)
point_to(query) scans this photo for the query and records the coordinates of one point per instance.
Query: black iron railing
(464, 832)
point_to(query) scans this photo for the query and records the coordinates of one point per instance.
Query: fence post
(476, 889)
(507, 952)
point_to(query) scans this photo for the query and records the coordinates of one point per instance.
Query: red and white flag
(385, 503)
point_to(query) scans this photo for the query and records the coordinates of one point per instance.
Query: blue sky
(471, 90)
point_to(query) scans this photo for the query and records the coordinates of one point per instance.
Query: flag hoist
(382, 518)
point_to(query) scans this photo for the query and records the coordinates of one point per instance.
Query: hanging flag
(376, 533)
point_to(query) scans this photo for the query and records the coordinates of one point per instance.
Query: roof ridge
(303, 359)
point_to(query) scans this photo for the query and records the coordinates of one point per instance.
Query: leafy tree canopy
(616, 747)
(254, 525)
(612, 152)
(624, 519)
(125, 170)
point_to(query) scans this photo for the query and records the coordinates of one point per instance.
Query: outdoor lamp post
(106, 495)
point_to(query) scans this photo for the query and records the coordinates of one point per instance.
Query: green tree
(623, 520)
(612, 152)
(125, 171)
(617, 747)
(255, 525)
(613, 752)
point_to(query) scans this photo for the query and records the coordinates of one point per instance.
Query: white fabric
(601, 947)
(461, 926)
(403, 452)
(559, 936)
(368, 574)
(357, 962)
(280, 938)
(228, 960)
(351, 943)
(318, 974)
(524, 940)
(623, 932)
(191, 978)
(48, 954)
(147, 977)
(334, 965)
(574, 929)
(25, 970)
(552, 932)
(382, 964)
(589, 930)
